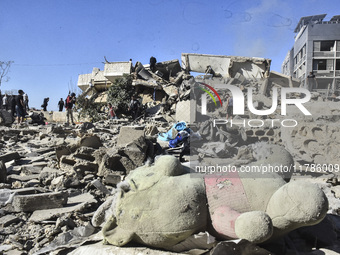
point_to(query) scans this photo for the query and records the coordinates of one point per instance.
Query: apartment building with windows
(316, 49)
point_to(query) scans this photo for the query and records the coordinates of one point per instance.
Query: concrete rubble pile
(53, 178)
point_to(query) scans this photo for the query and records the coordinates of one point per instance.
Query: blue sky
(53, 41)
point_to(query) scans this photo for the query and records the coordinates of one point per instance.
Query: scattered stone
(92, 141)
(86, 162)
(8, 220)
(10, 156)
(33, 202)
(74, 204)
(100, 186)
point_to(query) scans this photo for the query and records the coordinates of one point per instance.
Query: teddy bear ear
(116, 235)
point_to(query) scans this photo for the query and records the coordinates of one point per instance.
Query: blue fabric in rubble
(179, 126)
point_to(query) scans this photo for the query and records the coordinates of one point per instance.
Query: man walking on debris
(70, 101)
(61, 104)
(134, 107)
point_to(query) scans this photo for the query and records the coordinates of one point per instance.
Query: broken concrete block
(151, 130)
(171, 90)
(74, 204)
(3, 172)
(129, 134)
(185, 111)
(33, 202)
(57, 182)
(48, 174)
(113, 178)
(67, 163)
(127, 164)
(62, 150)
(10, 156)
(8, 220)
(136, 151)
(85, 153)
(23, 178)
(92, 141)
(100, 186)
(85, 166)
(110, 163)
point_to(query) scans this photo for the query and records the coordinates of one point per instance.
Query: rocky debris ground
(53, 178)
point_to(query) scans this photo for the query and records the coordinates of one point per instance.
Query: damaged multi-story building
(171, 72)
(170, 80)
(316, 49)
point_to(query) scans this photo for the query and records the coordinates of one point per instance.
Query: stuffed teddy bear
(163, 204)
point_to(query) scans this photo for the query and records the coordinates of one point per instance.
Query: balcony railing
(323, 73)
(324, 54)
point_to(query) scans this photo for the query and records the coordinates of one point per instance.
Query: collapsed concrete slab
(226, 66)
(74, 204)
(115, 70)
(185, 111)
(129, 134)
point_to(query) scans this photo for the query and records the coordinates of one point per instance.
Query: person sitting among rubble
(37, 118)
(134, 107)
(112, 115)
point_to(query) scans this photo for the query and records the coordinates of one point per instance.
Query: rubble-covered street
(58, 182)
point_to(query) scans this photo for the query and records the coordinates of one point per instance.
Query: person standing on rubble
(311, 81)
(111, 114)
(134, 107)
(45, 103)
(70, 101)
(61, 104)
(153, 62)
(20, 106)
(25, 96)
(13, 103)
(5, 102)
(229, 106)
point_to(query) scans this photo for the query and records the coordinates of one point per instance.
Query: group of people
(68, 103)
(17, 104)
